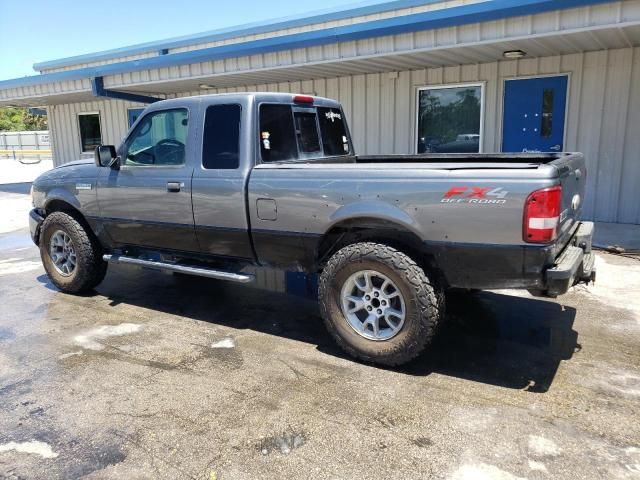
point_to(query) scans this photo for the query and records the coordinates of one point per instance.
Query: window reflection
(449, 119)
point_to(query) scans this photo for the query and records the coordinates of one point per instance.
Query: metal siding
(628, 190)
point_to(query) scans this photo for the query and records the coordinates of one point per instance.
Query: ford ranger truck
(210, 185)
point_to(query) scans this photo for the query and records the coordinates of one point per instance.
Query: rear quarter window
(221, 139)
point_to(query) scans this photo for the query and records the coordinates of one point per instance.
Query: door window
(449, 119)
(546, 127)
(221, 141)
(158, 140)
(133, 114)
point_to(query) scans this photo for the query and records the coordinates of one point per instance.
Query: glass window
(449, 119)
(277, 135)
(90, 136)
(221, 142)
(333, 131)
(547, 113)
(307, 131)
(133, 114)
(159, 139)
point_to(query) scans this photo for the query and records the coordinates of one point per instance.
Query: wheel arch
(70, 206)
(368, 228)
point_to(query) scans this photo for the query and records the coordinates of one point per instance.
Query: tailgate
(572, 173)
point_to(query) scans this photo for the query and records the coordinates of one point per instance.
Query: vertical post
(19, 145)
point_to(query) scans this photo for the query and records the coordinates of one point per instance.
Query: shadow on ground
(503, 340)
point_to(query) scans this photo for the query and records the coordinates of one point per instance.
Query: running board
(186, 269)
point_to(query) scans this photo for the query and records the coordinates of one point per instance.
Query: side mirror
(105, 156)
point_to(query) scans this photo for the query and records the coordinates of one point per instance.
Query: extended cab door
(220, 180)
(147, 202)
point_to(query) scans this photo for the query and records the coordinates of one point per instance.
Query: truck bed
(448, 161)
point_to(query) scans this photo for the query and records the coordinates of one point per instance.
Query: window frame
(123, 152)
(240, 134)
(79, 114)
(295, 108)
(443, 86)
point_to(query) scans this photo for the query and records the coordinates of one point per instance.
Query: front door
(534, 112)
(147, 202)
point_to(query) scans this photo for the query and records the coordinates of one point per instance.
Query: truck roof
(242, 97)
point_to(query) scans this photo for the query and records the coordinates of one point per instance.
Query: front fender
(60, 193)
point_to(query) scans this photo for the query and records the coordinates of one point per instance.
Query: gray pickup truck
(211, 184)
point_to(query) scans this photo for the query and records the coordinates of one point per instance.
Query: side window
(333, 131)
(159, 139)
(277, 135)
(221, 141)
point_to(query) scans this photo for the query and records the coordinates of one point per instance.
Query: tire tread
(92, 268)
(428, 296)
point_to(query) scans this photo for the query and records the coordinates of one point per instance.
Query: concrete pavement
(157, 377)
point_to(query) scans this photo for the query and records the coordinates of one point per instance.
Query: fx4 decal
(483, 195)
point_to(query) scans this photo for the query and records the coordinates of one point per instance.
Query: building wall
(602, 117)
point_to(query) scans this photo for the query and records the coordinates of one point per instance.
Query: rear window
(221, 140)
(277, 136)
(334, 133)
(292, 132)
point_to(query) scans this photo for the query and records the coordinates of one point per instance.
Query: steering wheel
(169, 151)
(170, 142)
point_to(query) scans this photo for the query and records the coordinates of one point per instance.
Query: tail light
(303, 99)
(542, 215)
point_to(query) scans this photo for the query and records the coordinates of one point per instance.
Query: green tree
(14, 119)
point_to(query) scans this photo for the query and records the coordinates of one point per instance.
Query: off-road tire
(90, 268)
(424, 303)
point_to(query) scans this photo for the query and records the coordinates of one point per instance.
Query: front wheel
(378, 304)
(70, 254)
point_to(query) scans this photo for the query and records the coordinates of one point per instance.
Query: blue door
(534, 111)
(134, 113)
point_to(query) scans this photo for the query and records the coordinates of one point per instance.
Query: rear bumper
(576, 263)
(35, 221)
(544, 270)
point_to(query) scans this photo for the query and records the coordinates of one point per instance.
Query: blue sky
(36, 30)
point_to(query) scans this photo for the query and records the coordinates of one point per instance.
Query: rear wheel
(71, 256)
(378, 304)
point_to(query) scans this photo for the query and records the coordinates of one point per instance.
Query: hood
(82, 161)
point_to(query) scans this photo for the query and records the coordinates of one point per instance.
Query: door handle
(174, 186)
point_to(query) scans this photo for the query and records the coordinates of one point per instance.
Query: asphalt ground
(153, 376)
